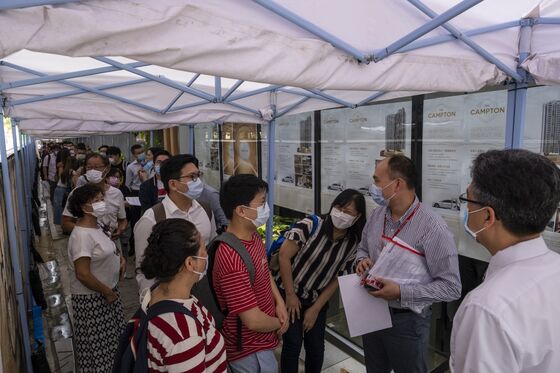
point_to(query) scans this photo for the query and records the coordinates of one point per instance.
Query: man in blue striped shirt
(402, 222)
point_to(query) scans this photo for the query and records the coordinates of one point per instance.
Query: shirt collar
(518, 252)
(406, 214)
(172, 207)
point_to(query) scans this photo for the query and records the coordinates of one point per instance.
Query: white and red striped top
(235, 293)
(178, 343)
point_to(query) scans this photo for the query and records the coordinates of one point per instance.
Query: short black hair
(113, 150)
(134, 147)
(155, 149)
(240, 190)
(403, 167)
(113, 171)
(97, 155)
(171, 242)
(81, 146)
(103, 146)
(522, 187)
(161, 152)
(82, 195)
(171, 168)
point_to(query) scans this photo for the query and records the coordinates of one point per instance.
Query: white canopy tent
(178, 62)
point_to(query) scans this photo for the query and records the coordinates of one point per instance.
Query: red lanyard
(401, 226)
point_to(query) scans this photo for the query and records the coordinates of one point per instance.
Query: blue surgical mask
(377, 194)
(469, 231)
(141, 157)
(157, 169)
(148, 166)
(195, 189)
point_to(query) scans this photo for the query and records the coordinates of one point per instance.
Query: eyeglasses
(193, 176)
(463, 199)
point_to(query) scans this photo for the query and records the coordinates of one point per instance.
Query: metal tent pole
(14, 254)
(517, 92)
(271, 172)
(20, 188)
(191, 139)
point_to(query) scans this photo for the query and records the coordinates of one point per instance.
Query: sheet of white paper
(364, 313)
(133, 201)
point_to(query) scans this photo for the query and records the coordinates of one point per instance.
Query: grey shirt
(211, 197)
(426, 232)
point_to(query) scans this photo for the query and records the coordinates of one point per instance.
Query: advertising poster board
(294, 161)
(456, 130)
(353, 141)
(542, 135)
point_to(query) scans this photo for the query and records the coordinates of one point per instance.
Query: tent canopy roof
(337, 54)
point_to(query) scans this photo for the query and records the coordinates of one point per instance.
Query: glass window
(206, 147)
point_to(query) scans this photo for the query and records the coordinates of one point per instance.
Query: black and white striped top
(319, 259)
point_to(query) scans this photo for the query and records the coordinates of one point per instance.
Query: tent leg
(191, 139)
(271, 183)
(20, 197)
(152, 139)
(517, 92)
(14, 254)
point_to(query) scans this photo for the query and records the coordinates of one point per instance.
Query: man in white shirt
(180, 176)
(510, 323)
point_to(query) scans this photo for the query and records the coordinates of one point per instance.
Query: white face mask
(203, 273)
(94, 176)
(195, 189)
(342, 220)
(99, 209)
(263, 213)
(469, 231)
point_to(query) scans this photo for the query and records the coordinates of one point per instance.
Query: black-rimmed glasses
(463, 199)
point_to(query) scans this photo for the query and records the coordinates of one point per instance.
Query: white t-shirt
(105, 261)
(115, 208)
(143, 229)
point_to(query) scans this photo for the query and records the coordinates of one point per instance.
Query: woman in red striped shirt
(176, 257)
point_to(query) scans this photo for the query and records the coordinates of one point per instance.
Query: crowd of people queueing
(506, 207)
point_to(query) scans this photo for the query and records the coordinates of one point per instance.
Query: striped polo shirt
(236, 294)
(319, 259)
(428, 234)
(178, 343)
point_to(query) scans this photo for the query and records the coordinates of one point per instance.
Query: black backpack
(204, 289)
(125, 361)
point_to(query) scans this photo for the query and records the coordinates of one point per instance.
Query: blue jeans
(313, 341)
(57, 204)
(402, 347)
(259, 362)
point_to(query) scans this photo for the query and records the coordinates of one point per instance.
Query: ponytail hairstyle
(171, 242)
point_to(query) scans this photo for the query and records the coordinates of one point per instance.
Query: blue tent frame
(24, 148)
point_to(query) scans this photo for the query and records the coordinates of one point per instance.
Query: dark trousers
(402, 348)
(313, 341)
